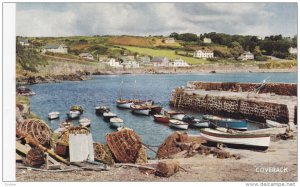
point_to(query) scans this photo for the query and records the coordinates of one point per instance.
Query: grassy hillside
(163, 52)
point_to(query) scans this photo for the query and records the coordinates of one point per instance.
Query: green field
(164, 53)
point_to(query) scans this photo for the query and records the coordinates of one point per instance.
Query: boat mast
(134, 93)
(121, 90)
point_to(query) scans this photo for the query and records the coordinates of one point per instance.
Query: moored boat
(199, 123)
(179, 124)
(272, 124)
(116, 122)
(261, 141)
(77, 108)
(108, 115)
(101, 109)
(124, 103)
(161, 118)
(175, 114)
(53, 115)
(141, 109)
(85, 122)
(227, 122)
(155, 109)
(73, 114)
(65, 124)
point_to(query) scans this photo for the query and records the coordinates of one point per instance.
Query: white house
(131, 64)
(178, 63)
(88, 56)
(23, 42)
(169, 40)
(112, 62)
(246, 56)
(143, 59)
(55, 48)
(203, 54)
(160, 61)
(293, 50)
(207, 40)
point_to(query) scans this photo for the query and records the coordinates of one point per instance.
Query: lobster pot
(34, 158)
(37, 129)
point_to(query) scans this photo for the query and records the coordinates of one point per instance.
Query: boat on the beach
(73, 114)
(174, 114)
(236, 138)
(141, 109)
(161, 118)
(230, 123)
(77, 108)
(53, 115)
(101, 109)
(85, 122)
(108, 115)
(199, 123)
(116, 122)
(179, 124)
(272, 124)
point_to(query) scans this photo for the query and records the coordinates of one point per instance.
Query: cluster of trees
(28, 58)
(276, 45)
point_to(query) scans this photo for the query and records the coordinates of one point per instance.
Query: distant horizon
(144, 19)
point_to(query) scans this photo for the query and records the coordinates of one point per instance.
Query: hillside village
(176, 50)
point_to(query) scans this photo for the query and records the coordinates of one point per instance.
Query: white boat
(53, 115)
(73, 114)
(272, 124)
(108, 115)
(116, 122)
(141, 109)
(175, 114)
(199, 123)
(124, 103)
(124, 128)
(236, 138)
(179, 124)
(85, 122)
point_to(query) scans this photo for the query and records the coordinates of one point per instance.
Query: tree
(174, 35)
(189, 37)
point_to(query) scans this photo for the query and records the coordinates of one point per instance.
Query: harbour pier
(254, 101)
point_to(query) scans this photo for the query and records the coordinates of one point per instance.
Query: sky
(78, 19)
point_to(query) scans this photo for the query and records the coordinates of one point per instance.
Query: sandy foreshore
(280, 159)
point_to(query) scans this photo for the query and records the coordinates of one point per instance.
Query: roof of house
(205, 50)
(54, 46)
(158, 59)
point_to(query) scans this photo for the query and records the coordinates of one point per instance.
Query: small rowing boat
(179, 124)
(108, 115)
(199, 123)
(124, 103)
(227, 122)
(272, 124)
(101, 109)
(175, 114)
(73, 114)
(53, 115)
(155, 109)
(85, 122)
(116, 122)
(261, 141)
(77, 108)
(141, 109)
(161, 118)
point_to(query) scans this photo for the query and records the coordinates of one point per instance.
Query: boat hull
(125, 105)
(177, 116)
(204, 124)
(161, 119)
(241, 125)
(52, 117)
(116, 124)
(145, 112)
(100, 111)
(73, 115)
(241, 139)
(181, 127)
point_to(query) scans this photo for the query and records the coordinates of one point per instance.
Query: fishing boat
(101, 109)
(155, 109)
(116, 122)
(108, 115)
(274, 124)
(141, 109)
(199, 123)
(53, 115)
(73, 114)
(188, 119)
(85, 122)
(261, 141)
(161, 118)
(124, 103)
(179, 124)
(77, 108)
(175, 114)
(227, 122)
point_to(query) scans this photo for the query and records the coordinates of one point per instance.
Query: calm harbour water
(103, 90)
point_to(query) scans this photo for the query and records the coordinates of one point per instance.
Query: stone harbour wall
(230, 107)
(289, 89)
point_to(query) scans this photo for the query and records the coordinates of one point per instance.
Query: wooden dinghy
(274, 124)
(261, 141)
(53, 115)
(108, 115)
(161, 118)
(141, 109)
(85, 122)
(179, 115)
(124, 103)
(101, 109)
(179, 124)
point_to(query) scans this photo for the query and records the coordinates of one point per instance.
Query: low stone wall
(231, 107)
(289, 89)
